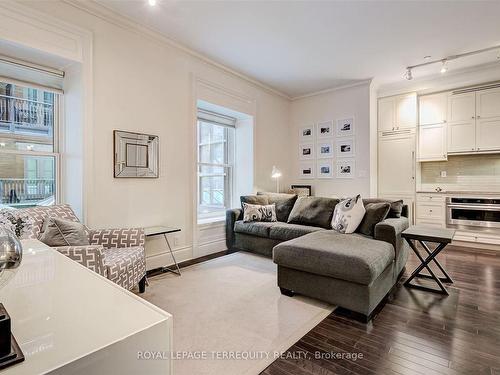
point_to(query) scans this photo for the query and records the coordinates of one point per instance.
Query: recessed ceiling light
(152, 2)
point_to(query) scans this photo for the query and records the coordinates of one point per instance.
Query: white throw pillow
(348, 214)
(256, 212)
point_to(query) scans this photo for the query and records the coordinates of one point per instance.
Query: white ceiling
(303, 47)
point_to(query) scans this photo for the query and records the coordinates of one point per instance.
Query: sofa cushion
(255, 228)
(375, 213)
(342, 256)
(314, 211)
(285, 231)
(260, 200)
(396, 205)
(284, 203)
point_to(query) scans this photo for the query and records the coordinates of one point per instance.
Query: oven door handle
(484, 207)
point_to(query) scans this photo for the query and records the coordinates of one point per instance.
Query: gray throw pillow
(375, 213)
(260, 200)
(396, 206)
(284, 203)
(59, 232)
(314, 211)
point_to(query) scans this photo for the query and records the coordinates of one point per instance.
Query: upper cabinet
(488, 103)
(433, 109)
(397, 112)
(462, 107)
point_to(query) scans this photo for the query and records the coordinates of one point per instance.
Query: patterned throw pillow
(348, 214)
(255, 212)
(19, 223)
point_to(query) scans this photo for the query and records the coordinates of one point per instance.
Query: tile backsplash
(481, 172)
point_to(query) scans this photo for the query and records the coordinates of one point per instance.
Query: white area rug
(232, 306)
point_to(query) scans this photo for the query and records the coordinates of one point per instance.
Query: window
(215, 164)
(28, 150)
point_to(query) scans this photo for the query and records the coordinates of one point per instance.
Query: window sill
(211, 221)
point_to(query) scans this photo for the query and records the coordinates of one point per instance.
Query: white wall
(143, 84)
(338, 104)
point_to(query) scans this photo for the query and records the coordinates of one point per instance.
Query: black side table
(423, 234)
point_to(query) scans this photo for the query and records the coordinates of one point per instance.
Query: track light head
(444, 67)
(408, 74)
(152, 3)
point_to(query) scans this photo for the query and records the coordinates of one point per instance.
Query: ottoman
(351, 271)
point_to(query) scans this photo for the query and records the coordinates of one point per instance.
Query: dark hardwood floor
(416, 332)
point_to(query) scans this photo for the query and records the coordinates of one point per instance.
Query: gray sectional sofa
(353, 271)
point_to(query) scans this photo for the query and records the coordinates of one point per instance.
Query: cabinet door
(386, 114)
(433, 108)
(462, 107)
(406, 111)
(432, 142)
(462, 136)
(396, 164)
(488, 103)
(488, 134)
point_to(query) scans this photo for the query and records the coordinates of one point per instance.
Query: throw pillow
(314, 211)
(60, 232)
(260, 200)
(348, 215)
(16, 221)
(375, 213)
(284, 203)
(396, 206)
(254, 212)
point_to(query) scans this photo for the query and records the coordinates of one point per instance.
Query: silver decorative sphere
(11, 250)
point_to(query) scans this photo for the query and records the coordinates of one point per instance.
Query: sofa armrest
(122, 237)
(232, 216)
(390, 231)
(90, 256)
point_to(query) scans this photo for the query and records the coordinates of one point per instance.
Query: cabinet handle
(478, 116)
(473, 117)
(478, 148)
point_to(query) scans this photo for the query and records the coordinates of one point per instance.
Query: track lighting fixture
(152, 2)
(444, 61)
(444, 67)
(408, 75)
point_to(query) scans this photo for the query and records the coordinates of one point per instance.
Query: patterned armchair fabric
(117, 254)
(91, 257)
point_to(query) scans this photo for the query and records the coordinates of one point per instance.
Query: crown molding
(333, 89)
(117, 19)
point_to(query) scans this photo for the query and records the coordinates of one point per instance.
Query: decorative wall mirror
(135, 155)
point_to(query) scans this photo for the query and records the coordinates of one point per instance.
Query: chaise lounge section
(353, 271)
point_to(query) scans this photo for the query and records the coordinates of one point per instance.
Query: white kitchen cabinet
(433, 109)
(406, 111)
(430, 210)
(488, 134)
(462, 107)
(386, 114)
(397, 112)
(432, 142)
(488, 103)
(396, 163)
(462, 136)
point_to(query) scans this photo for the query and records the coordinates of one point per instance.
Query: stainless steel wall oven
(473, 213)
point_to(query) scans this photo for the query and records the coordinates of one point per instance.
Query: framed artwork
(306, 170)
(135, 155)
(325, 149)
(345, 127)
(346, 147)
(301, 190)
(306, 151)
(306, 133)
(325, 129)
(345, 168)
(325, 168)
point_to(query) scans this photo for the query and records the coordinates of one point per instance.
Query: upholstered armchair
(117, 254)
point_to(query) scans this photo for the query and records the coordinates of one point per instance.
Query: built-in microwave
(473, 213)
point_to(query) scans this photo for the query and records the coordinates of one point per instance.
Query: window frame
(227, 165)
(55, 134)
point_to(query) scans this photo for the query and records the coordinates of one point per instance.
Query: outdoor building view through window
(28, 152)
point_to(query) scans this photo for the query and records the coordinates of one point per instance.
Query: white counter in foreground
(69, 320)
